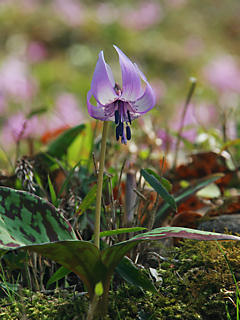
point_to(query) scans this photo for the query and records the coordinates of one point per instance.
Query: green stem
(100, 184)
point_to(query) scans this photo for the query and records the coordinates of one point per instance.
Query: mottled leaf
(108, 233)
(26, 219)
(177, 232)
(112, 256)
(31, 223)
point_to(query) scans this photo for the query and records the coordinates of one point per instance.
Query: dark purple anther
(128, 133)
(129, 117)
(120, 129)
(117, 133)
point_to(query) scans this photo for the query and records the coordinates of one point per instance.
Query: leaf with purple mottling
(112, 256)
(26, 219)
(31, 223)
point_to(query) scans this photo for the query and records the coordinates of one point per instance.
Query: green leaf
(119, 231)
(130, 273)
(82, 145)
(59, 146)
(186, 193)
(81, 257)
(52, 192)
(167, 184)
(58, 275)
(161, 190)
(68, 178)
(89, 198)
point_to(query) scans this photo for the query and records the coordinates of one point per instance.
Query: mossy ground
(197, 284)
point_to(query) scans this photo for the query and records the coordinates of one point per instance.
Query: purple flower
(121, 105)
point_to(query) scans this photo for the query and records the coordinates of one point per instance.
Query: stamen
(120, 129)
(117, 133)
(116, 117)
(128, 132)
(129, 117)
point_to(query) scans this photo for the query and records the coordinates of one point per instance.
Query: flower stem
(100, 184)
(193, 82)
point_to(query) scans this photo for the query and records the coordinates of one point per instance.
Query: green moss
(197, 285)
(38, 306)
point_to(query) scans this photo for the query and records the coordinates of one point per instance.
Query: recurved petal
(131, 82)
(95, 112)
(103, 83)
(148, 100)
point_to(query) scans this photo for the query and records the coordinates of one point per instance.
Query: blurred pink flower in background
(107, 13)
(36, 51)
(206, 114)
(67, 110)
(223, 73)
(197, 115)
(3, 103)
(70, 11)
(65, 114)
(189, 125)
(18, 127)
(159, 89)
(15, 79)
(168, 141)
(147, 14)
